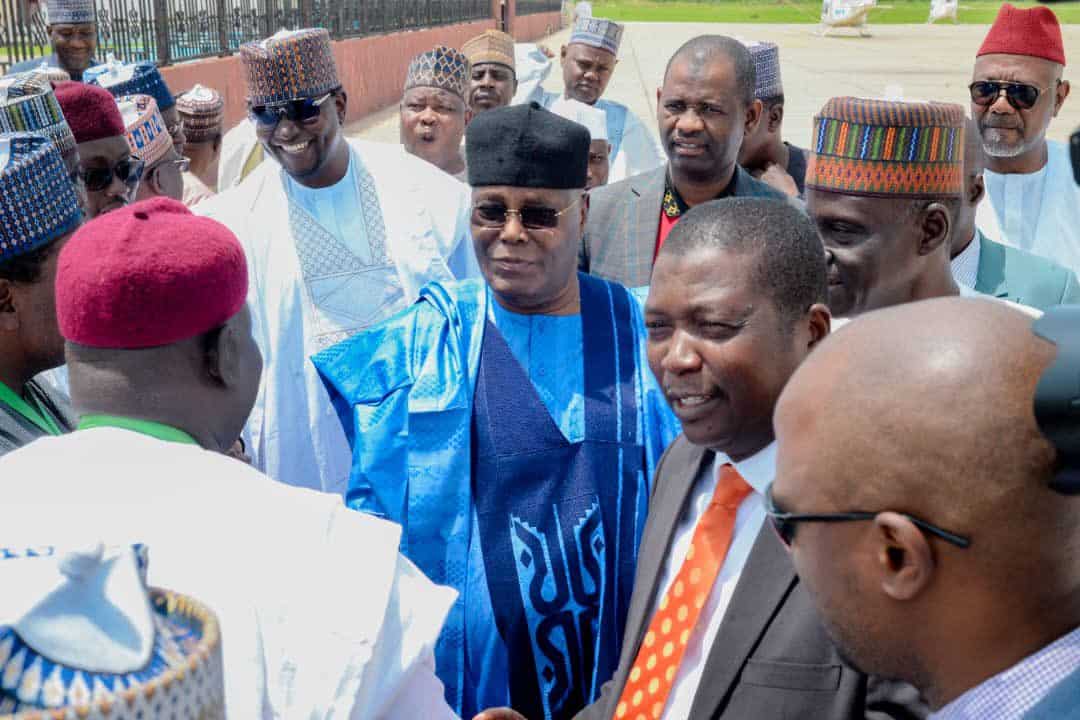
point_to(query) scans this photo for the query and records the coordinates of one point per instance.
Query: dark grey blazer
(624, 218)
(771, 658)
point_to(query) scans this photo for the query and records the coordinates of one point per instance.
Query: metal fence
(168, 31)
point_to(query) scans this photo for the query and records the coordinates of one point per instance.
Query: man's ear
(584, 212)
(978, 190)
(562, 55)
(820, 320)
(905, 561)
(1059, 97)
(218, 140)
(221, 355)
(753, 117)
(9, 316)
(775, 118)
(341, 102)
(935, 222)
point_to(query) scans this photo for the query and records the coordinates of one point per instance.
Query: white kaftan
(323, 265)
(320, 615)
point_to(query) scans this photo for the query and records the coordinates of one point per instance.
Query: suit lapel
(672, 493)
(765, 582)
(645, 217)
(991, 274)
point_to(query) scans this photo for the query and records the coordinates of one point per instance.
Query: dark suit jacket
(771, 658)
(624, 219)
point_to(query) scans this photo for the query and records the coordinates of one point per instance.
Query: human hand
(499, 714)
(546, 50)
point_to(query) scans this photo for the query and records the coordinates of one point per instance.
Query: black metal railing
(168, 31)
(531, 7)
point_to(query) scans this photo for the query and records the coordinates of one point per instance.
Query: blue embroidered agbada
(519, 464)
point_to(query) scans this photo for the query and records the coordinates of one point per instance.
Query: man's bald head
(703, 50)
(926, 409)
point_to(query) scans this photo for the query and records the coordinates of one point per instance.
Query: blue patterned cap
(37, 198)
(28, 104)
(598, 33)
(70, 12)
(766, 57)
(444, 68)
(141, 78)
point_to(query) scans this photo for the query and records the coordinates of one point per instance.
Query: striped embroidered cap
(28, 104)
(37, 198)
(203, 111)
(55, 74)
(70, 12)
(291, 65)
(147, 137)
(766, 57)
(443, 67)
(598, 33)
(887, 148)
(491, 46)
(141, 78)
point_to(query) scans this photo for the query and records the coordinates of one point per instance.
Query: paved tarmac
(921, 62)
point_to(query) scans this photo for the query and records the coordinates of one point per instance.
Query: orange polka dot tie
(651, 677)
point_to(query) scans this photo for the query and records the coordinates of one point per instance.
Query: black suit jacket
(772, 658)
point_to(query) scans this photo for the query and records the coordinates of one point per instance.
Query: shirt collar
(758, 470)
(965, 266)
(674, 206)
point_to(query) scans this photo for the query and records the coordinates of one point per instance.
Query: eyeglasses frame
(508, 212)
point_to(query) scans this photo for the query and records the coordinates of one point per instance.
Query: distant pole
(161, 32)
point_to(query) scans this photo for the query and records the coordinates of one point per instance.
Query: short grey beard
(1006, 150)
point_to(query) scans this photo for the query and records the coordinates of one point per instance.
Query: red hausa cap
(1034, 32)
(148, 275)
(90, 110)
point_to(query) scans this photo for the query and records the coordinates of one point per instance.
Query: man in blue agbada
(512, 427)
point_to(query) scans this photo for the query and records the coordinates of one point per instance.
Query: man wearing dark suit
(1001, 270)
(704, 108)
(735, 305)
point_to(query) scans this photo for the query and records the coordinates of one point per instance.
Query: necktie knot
(731, 488)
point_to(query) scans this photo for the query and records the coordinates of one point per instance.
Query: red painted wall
(372, 69)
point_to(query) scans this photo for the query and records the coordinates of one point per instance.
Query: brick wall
(372, 69)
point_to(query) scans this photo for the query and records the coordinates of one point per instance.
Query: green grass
(799, 11)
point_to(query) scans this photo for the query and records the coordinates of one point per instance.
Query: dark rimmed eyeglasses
(1020, 95)
(129, 170)
(785, 523)
(304, 111)
(536, 217)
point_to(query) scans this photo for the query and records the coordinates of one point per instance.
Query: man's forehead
(588, 52)
(112, 148)
(493, 67)
(703, 278)
(430, 94)
(688, 77)
(1020, 68)
(73, 26)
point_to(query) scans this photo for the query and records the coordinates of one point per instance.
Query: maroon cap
(1034, 32)
(91, 111)
(147, 275)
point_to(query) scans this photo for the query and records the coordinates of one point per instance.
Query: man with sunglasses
(339, 234)
(1032, 200)
(151, 144)
(511, 426)
(913, 488)
(41, 211)
(108, 171)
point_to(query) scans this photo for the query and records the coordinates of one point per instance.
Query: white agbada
(238, 146)
(321, 271)
(634, 148)
(321, 616)
(1038, 212)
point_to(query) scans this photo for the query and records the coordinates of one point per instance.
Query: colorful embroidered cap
(90, 111)
(147, 136)
(70, 12)
(598, 33)
(124, 281)
(141, 78)
(491, 46)
(60, 656)
(291, 65)
(55, 74)
(526, 146)
(443, 67)
(594, 119)
(886, 148)
(766, 57)
(203, 112)
(37, 198)
(1034, 32)
(28, 104)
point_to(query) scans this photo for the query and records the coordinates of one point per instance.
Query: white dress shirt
(758, 471)
(965, 266)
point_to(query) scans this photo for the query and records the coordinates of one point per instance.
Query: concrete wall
(372, 68)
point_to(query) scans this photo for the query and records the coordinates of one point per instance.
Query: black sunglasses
(304, 111)
(536, 217)
(785, 523)
(1020, 95)
(129, 171)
